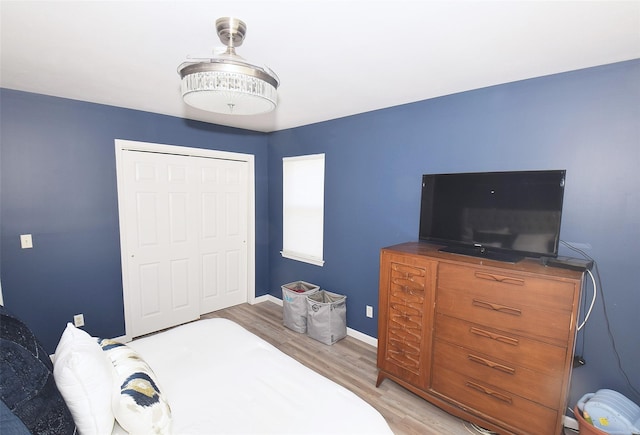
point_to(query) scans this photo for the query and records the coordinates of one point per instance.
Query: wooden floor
(352, 364)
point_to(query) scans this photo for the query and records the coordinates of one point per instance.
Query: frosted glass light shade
(232, 93)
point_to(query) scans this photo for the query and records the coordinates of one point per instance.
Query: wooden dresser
(487, 341)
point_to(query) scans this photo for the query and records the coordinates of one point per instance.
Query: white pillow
(139, 405)
(84, 376)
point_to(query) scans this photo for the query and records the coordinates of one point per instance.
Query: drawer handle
(497, 307)
(406, 319)
(499, 278)
(491, 364)
(408, 283)
(405, 285)
(405, 310)
(410, 290)
(491, 335)
(489, 392)
(407, 271)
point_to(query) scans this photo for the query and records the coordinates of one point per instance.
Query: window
(303, 208)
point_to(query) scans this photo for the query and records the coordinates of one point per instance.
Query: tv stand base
(482, 252)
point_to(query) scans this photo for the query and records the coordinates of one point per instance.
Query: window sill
(304, 259)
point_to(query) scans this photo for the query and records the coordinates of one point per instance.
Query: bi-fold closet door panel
(185, 236)
(223, 236)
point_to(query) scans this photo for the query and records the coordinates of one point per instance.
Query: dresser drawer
(406, 307)
(407, 295)
(403, 349)
(509, 288)
(405, 330)
(522, 351)
(498, 309)
(522, 381)
(408, 278)
(521, 415)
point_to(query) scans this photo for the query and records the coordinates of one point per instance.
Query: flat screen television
(503, 216)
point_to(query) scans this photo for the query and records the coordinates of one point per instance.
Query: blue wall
(58, 183)
(587, 122)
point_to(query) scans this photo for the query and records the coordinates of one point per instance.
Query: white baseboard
(350, 332)
(269, 298)
(362, 337)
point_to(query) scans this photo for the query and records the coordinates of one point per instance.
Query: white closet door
(223, 233)
(186, 227)
(162, 241)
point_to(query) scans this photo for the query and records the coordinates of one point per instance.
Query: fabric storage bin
(294, 304)
(326, 316)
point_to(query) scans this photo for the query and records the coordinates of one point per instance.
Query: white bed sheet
(220, 378)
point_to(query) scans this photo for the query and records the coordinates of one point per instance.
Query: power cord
(578, 359)
(606, 315)
(593, 299)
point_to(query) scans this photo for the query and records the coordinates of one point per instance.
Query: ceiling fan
(227, 83)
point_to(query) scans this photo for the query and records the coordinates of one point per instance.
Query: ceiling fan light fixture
(228, 84)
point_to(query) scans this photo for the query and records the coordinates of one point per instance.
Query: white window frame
(303, 208)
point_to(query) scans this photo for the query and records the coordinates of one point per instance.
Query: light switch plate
(25, 241)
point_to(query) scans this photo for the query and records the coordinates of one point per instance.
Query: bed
(209, 376)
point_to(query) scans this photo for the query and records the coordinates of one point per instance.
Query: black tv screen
(501, 215)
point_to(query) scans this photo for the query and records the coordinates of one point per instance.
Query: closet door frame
(121, 146)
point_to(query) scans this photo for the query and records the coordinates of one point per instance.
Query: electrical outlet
(369, 311)
(78, 320)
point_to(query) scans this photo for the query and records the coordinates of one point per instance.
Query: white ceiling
(334, 58)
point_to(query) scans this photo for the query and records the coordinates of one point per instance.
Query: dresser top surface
(530, 265)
